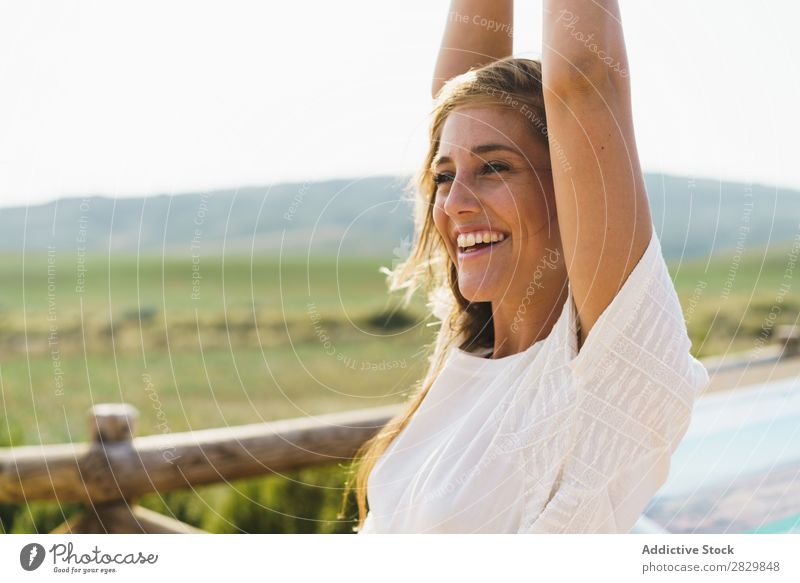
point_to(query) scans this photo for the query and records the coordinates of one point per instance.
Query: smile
(479, 250)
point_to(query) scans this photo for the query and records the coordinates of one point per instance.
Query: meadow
(199, 342)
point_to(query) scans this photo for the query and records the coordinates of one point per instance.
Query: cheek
(525, 210)
(440, 218)
(440, 221)
(512, 207)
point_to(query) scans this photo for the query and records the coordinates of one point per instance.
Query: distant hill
(698, 218)
(363, 216)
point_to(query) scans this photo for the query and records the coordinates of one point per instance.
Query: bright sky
(130, 98)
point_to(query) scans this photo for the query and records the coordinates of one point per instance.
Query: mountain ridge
(363, 216)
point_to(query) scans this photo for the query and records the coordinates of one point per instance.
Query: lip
(481, 252)
(474, 229)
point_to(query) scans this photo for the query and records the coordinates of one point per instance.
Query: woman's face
(494, 185)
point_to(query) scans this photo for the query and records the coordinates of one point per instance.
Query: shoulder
(638, 354)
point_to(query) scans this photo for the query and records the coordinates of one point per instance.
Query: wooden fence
(115, 467)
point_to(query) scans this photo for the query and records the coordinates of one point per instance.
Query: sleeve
(369, 525)
(634, 383)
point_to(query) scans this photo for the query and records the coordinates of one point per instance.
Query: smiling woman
(561, 378)
(492, 174)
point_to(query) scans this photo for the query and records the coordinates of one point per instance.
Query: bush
(39, 517)
(302, 501)
(393, 320)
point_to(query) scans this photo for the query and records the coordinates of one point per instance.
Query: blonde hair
(512, 83)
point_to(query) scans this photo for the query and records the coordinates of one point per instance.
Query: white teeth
(477, 237)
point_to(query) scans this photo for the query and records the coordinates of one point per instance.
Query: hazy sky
(139, 97)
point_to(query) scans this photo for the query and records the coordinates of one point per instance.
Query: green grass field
(219, 343)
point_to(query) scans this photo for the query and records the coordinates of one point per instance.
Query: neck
(526, 318)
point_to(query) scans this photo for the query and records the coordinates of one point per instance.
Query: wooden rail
(115, 467)
(786, 344)
(108, 473)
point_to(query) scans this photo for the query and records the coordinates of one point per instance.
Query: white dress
(549, 440)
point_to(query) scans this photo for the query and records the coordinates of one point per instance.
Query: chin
(477, 292)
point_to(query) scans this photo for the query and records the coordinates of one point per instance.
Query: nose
(461, 199)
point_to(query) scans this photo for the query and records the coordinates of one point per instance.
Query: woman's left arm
(602, 206)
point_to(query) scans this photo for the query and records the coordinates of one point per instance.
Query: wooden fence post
(114, 425)
(789, 339)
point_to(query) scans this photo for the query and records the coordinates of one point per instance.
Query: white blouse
(549, 440)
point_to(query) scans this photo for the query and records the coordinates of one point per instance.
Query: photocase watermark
(195, 243)
(569, 20)
(741, 239)
(533, 117)
(168, 454)
(698, 290)
(65, 553)
(81, 238)
(555, 145)
(786, 285)
(401, 253)
(367, 366)
(701, 285)
(505, 445)
(483, 21)
(296, 201)
(329, 348)
(71, 561)
(53, 340)
(548, 261)
(31, 556)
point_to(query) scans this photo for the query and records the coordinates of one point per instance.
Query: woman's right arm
(477, 32)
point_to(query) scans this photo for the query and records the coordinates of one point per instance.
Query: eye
(442, 178)
(494, 168)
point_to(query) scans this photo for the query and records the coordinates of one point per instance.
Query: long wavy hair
(512, 83)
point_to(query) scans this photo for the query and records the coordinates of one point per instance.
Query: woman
(561, 379)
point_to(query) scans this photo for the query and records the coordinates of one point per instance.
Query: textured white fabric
(549, 440)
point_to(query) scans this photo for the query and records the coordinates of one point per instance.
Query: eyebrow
(478, 150)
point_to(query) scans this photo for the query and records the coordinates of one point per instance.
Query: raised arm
(602, 207)
(477, 32)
